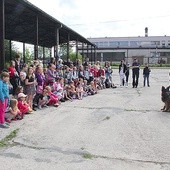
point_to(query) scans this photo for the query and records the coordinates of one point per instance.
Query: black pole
(56, 56)
(95, 53)
(2, 33)
(24, 58)
(92, 55)
(36, 46)
(10, 49)
(87, 56)
(83, 52)
(68, 40)
(43, 56)
(77, 49)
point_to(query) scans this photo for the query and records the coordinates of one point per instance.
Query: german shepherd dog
(165, 96)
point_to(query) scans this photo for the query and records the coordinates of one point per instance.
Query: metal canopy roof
(21, 25)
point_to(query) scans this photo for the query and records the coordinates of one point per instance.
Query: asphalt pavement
(117, 129)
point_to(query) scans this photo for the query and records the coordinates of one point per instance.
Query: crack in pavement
(81, 153)
(114, 108)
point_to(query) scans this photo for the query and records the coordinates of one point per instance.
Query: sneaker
(62, 100)
(56, 105)
(4, 125)
(7, 122)
(39, 107)
(45, 105)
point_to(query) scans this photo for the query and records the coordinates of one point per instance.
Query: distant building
(148, 49)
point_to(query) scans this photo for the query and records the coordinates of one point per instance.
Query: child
(13, 111)
(85, 88)
(53, 99)
(4, 98)
(23, 106)
(43, 99)
(146, 72)
(72, 90)
(18, 90)
(67, 93)
(79, 90)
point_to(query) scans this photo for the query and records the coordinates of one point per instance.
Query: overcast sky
(111, 18)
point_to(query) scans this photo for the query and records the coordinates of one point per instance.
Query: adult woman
(30, 83)
(14, 77)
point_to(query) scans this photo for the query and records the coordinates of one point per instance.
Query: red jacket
(101, 72)
(24, 108)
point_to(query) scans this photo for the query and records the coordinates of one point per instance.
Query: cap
(21, 95)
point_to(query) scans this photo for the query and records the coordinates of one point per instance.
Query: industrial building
(147, 49)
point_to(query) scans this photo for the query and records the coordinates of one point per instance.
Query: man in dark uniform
(135, 73)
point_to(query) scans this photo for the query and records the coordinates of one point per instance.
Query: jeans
(146, 78)
(135, 77)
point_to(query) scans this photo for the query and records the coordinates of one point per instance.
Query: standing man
(135, 73)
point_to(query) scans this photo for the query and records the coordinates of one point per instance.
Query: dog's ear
(163, 88)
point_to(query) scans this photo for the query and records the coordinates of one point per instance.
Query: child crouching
(53, 99)
(13, 112)
(23, 106)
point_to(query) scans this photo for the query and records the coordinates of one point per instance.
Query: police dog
(165, 96)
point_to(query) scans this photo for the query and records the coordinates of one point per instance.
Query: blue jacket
(4, 91)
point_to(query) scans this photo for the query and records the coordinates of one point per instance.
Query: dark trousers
(146, 78)
(127, 76)
(135, 77)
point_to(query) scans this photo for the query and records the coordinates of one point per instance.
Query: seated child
(92, 88)
(72, 90)
(23, 106)
(13, 112)
(85, 88)
(58, 89)
(80, 91)
(43, 99)
(53, 99)
(67, 93)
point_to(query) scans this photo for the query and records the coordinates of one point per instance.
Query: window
(168, 42)
(134, 44)
(123, 43)
(113, 44)
(163, 43)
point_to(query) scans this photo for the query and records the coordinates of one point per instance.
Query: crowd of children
(27, 88)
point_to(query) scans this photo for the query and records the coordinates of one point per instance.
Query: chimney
(146, 31)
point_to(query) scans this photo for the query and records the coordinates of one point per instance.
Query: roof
(21, 25)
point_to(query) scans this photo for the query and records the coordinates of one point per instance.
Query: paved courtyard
(117, 129)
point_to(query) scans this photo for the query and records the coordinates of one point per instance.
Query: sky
(110, 18)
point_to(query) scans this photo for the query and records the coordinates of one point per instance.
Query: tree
(72, 54)
(9, 55)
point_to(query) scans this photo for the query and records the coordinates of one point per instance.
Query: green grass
(87, 156)
(5, 142)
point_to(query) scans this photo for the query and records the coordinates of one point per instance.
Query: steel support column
(56, 56)
(2, 33)
(94, 53)
(24, 59)
(91, 55)
(87, 56)
(43, 56)
(10, 49)
(83, 52)
(37, 36)
(68, 51)
(77, 49)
